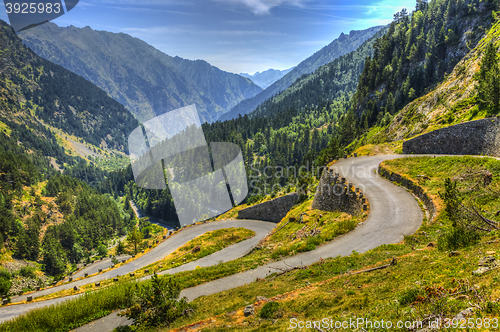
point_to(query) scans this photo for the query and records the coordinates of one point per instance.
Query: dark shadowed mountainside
(35, 94)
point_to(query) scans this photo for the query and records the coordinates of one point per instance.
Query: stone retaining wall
(469, 138)
(412, 186)
(336, 194)
(273, 210)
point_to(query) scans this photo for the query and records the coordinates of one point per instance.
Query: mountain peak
(341, 46)
(147, 81)
(266, 78)
(342, 37)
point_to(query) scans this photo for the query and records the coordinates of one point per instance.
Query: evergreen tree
(54, 258)
(134, 238)
(488, 88)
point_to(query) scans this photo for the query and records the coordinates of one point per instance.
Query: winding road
(393, 213)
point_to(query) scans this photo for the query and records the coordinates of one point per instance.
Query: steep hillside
(145, 80)
(267, 77)
(417, 53)
(36, 94)
(453, 101)
(341, 46)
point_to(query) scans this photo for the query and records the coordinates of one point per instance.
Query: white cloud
(264, 6)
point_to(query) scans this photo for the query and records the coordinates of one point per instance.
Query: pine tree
(134, 238)
(488, 89)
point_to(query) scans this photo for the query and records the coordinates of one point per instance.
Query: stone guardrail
(412, 186)
(273, 210)
(479, 137)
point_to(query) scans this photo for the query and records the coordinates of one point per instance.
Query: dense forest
(59, 220)
(31, 86)
(417, 52)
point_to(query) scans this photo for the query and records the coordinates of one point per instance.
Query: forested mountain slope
(329, 82)
(145, 80)
(47, 217)
(34, 92)
(418, 52)
(457, 99)
(341, 46)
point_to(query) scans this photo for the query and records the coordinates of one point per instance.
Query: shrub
(271, 310)
(102, 250)
(28, 272)
(157, 303)
(308, 246)
(409, 296)
(5, 285)
(4, 273)
(147, 231)
(120, 247)
(254, 199)
(458, 237)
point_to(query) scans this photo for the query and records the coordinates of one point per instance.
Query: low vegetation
(428, 282)
(330, 224)
(200, 247)
(74, 313)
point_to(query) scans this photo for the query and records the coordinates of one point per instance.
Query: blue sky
(234, 35)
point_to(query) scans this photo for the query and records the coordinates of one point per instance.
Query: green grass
(282, 242)
(72, 314)
(5, 129)
(333, 224)
(388, 294)
(418, 286)
(209, 243)
(440, 168)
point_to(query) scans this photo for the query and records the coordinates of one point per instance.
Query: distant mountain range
(341, 46)
(334, 81)
(268, 77)
(145, 80)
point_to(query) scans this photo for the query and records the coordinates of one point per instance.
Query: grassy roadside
(278, 245)
(425, 283)
(74, 313)
(333, 224)
(209, 243)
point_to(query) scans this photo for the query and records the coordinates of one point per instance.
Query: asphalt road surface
(393, 213)
(261, 228)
